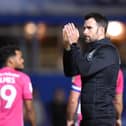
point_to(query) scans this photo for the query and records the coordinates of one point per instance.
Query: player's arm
(72, 106)
(30, 112)
(73, 99)
(119, 107)
(118, 101)
(28, 100)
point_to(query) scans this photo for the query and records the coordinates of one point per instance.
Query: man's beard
(87, 39)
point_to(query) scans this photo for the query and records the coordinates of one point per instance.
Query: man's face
(91, 30)
(18, 60)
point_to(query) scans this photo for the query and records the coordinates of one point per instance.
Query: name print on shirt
(10, 80)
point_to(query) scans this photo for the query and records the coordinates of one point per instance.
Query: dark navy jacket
(98, 68)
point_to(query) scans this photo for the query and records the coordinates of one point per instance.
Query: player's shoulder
(76, 80)
(120, 82)
(120, 74)
(22, 74)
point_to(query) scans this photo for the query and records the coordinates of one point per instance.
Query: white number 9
(9, 98)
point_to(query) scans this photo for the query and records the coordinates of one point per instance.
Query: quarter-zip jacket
(98, 68)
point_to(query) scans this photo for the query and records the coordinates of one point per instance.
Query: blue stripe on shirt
(76, 88)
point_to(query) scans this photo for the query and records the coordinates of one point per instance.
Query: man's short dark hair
(100, 19)
(6, 52)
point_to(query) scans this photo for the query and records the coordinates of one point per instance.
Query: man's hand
(66, 41)
(70, 33)
(70, 122)
(65, 37)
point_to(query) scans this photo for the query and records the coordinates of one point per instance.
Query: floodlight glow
(30, 28)
(115, 28)
(41, 30)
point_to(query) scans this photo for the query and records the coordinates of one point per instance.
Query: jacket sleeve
(104, 56)
(69, 66)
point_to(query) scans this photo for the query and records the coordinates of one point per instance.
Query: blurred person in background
(39, 108)
(73, 107)
(98, 67)
(41, 117)
(15, 88)
(57, 108)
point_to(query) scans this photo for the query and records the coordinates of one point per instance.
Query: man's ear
(101, 30)
(10, 60)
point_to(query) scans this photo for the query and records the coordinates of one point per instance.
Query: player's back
(11, 97)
